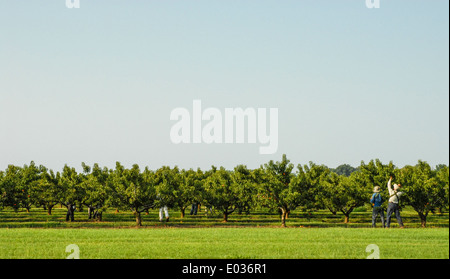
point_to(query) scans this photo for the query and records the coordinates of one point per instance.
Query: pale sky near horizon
(97, 84)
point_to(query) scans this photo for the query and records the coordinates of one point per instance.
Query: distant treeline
(277, 185)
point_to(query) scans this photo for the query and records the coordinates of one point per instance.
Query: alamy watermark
(373, 4)
(226, 128)
(73, 4)
(374, 251)
(74, 251)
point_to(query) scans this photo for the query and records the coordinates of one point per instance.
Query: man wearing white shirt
(394, 196)
(166, 213)
(163, 210)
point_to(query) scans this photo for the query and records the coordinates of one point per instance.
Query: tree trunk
(183, 212)
(225, 216)
(283, 217)
(98, 215)
(423, 219)
(137, 214)
(346, 219)
(424, 222)
(49, 210)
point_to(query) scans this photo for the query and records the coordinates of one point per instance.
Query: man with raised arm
(393, 207)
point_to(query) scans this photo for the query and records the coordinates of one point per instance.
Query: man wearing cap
(377, 201)
(393, 207)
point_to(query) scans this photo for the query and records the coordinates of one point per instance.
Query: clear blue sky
(97, 84)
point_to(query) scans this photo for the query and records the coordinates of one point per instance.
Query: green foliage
(245, 184)
(375, 173)
(96, 193)
(344, 169)
(275, 185)
(341, 193)
(2, 191)
(189, 189)
(442, 178)
(48, 192)
(71, 187)
(167, 183)
(221, 193)
(308, 181)
(133, 190)
(425, 189)
(11, 187)
(276, 188)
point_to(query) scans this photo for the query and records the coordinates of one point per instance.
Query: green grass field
(320, 235)
(228, 243)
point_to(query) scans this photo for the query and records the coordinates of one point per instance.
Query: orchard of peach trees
(276, 185)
